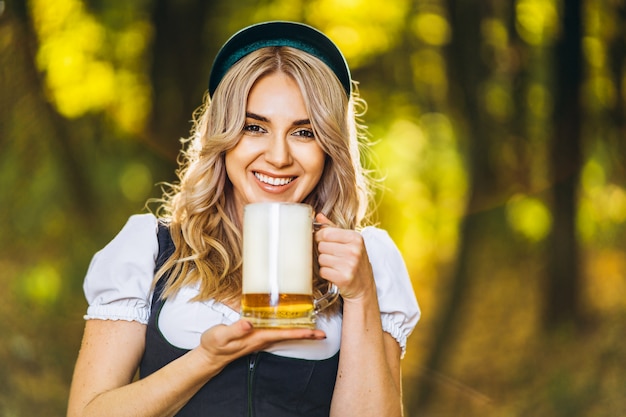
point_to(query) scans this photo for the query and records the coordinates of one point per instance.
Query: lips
(266, 179)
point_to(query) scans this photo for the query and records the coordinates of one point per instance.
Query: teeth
(272, 180)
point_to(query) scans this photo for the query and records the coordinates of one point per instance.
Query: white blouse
(119, 280)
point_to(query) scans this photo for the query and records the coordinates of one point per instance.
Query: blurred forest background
(499, 133)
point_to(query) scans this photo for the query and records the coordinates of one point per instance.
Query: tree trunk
(562, 295)
(180, 67)
(467, 72)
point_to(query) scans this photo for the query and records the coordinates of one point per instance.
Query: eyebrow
(264, 119)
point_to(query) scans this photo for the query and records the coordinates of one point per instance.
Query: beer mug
(278, 267)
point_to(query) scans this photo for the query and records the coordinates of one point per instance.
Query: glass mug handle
(333, 292)
(326, 300)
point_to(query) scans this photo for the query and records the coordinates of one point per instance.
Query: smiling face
(277, 157)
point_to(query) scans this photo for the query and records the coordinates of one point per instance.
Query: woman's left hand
(343, 260)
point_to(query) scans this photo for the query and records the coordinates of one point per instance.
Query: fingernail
(317, 226)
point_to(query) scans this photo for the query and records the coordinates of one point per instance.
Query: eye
(253, 128)
(305, 133)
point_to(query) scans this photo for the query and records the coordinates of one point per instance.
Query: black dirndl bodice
(257, 385)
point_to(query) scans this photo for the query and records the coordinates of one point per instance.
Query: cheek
(235, 166)
(319, 157)
(236, 157)
(317, 161)
(320, 166)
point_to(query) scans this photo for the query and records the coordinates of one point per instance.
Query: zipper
(252, 363)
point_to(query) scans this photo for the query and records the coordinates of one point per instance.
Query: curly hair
(200, 209)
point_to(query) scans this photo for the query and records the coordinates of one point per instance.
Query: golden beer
(283, 310)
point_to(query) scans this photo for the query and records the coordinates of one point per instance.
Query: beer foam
(277, 248)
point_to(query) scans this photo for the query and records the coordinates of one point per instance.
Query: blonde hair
(200, 210)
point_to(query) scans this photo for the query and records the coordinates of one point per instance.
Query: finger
(341, 246)
(241, 338)
(323, 227)
(244, 327)
(278, 335)
(237, 330)
(335, 276)
(222, 335)
(264, 338)
(322, 220)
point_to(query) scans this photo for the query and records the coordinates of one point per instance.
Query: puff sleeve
(119, 279)
(398, 306)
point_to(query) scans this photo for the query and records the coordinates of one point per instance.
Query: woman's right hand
(223, 344)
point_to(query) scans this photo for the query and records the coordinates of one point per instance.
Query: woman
(278, 125)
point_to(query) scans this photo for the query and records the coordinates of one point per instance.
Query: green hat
(279, 33)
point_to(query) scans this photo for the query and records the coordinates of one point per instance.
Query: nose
(278, 152)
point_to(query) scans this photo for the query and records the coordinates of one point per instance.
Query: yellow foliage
(271, 10)
(594, 51)
(529, 217)
(361, 28)
(425, 183)
(601, 88)
(606, 280)
(539, 100)
(495, 33)
(498, 101)
(429, 68)
(431, 28)
(82, 74)
(136, 182)
(602, 205)
(41, 284)
(537, 21)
